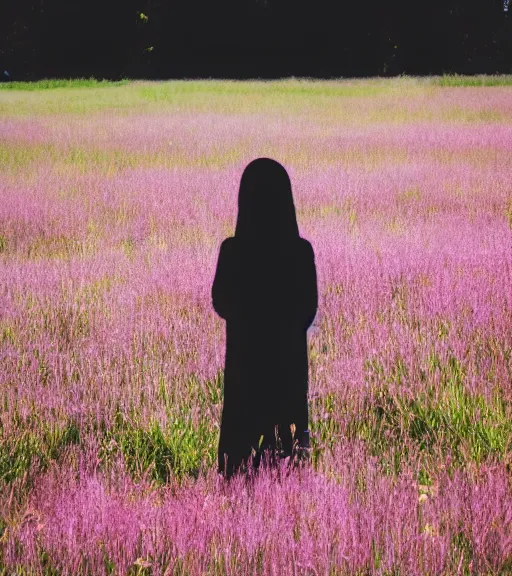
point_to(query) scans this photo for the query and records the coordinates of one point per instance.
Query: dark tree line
(252, 38)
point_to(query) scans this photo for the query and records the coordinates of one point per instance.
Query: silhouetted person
(265, 288)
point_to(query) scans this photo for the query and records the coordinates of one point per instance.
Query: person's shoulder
(227, 243)
(305, 246)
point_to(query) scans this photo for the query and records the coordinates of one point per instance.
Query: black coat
(267, 293)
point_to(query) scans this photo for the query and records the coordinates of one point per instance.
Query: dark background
(252, 38)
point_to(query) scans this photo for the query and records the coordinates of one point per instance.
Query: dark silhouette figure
(265, 288)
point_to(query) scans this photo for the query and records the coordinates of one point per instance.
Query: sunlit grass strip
(52, 83)
(306, 86)
(348, 101)
(477, 80)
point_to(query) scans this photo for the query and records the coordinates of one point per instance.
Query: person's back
(265, 288)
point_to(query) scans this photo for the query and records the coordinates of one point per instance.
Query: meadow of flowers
(113, 203)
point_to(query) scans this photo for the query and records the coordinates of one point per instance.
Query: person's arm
(309, 300)
(221, 293)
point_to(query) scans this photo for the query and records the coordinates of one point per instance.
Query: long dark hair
(265, 203)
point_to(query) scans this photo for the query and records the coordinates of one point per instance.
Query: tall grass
(113, 205)
(477, 80)
(52, 83)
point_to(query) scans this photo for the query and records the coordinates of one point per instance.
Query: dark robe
(265, 288)
(267, 293)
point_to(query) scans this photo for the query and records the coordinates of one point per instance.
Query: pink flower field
(113, 204)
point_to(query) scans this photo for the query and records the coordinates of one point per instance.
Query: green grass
(179, 449)
(300, 86)
(34, 442)
(16, 158)
(340, 98)
(51, 83)
(480, 80)
(355, 88)
(447, 421)
(441, 421)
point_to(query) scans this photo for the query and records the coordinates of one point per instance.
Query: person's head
(265, 202)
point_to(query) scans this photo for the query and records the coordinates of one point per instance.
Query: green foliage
(184, 447)
(461, 553)
(181, 448)
(51, 83)
(480, 80)
(65, 323)
(8, 333)
(34, 441)
(168, 91)
(3, 528)
(108, 564)
(324, 426)
(48, 569)
(450, 420)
